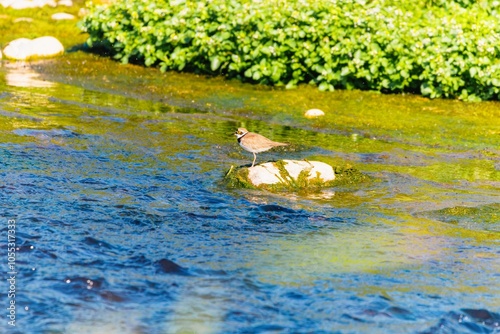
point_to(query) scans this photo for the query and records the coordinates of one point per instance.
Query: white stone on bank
(311, 113)
(47, 46)
(62, 16)
(268, 173)
(23, 19)
(18, 49)
(67, 3)
(42, 47)
(23, 4)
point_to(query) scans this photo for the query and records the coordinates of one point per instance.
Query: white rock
(62, 16)
(23, 4)
(7, 3)
(315, 168)
(67, 3)
(18, 49)
(23, 19)
(268, 173)
(23, 48)
(47, 46)
(311, 113)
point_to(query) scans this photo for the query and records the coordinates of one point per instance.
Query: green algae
(482, 218)
(302, 183)
(472, 170)
(238, 178)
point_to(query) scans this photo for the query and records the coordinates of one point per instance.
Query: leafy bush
(440, 49)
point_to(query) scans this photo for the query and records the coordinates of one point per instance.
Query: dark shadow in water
(467, 321)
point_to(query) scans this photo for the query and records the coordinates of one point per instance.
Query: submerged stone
(42, 47)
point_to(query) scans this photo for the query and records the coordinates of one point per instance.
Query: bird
(255, 143)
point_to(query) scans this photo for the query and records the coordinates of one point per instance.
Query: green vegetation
(442, 48)
(484, 217)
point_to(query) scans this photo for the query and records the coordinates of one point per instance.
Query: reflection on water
(21, 75)
(124, 226)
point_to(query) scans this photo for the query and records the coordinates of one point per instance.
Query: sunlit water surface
(125, 226)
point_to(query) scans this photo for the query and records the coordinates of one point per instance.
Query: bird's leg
(254, 157)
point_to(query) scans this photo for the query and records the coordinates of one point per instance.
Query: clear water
(123, 225)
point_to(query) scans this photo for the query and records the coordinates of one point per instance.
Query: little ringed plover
(255, 143)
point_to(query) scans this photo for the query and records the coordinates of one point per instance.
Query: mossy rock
(292, 175)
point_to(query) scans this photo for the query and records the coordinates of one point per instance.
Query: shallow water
(123, 223)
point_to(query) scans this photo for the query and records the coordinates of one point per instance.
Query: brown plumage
(255, 143)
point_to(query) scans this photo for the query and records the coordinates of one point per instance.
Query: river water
(124, 223)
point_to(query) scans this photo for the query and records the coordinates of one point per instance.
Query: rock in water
(42, 47)
(289, 171)
(266, 173)
(311, 113)
(294, 176)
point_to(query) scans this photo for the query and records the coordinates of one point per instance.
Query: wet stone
(290, 171)
(112, 296)
(169, 267)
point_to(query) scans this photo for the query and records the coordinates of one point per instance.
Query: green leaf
(323, 86)
(256, 75)
(215, 64)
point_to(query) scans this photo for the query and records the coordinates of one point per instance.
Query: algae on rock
(292, 175)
